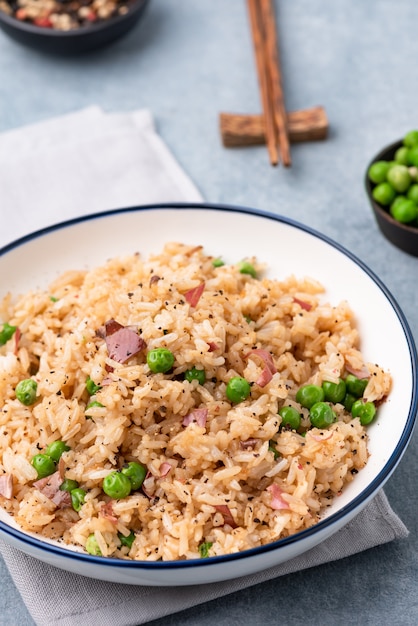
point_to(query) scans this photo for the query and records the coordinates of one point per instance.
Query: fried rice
(221, 476)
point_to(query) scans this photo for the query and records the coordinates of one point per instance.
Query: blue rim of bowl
(135, 6)
(356, 503)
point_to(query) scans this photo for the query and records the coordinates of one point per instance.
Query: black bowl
(401, 235)
(76, 41)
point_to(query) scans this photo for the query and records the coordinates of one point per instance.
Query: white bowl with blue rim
(287, 247)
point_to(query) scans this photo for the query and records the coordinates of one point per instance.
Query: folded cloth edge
(375, 525)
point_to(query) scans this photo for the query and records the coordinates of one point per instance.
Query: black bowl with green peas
(392, 187)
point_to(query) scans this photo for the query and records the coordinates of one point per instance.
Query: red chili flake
(21, 14)
(43, 21)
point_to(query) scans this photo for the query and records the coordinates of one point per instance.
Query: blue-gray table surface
(186, 61)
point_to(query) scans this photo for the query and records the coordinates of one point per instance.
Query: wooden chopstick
(258, 37)
(264, 34)
(275, 74)
(238, 130)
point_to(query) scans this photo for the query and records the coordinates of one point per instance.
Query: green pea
(356, 386)
(160, 360)
(218, 262)
(6, 333)
(413, 193)
(321, 415)
(398, 200)
(377, 171)
(384, 193)
(77, 498)
(204, 549)
(290, 417)
(55, 450)
(411, 138)
(245, 267)
(92, 546)
(195, 374)
(399, 177)
(401, 155)
(404, 212)
(116, 485)
(308, 395)
(238, 389)
(93, 404)
(272, 448)
(91, 386)
(348, 401)
(43, 464)
(136, 473)
(363, 410)
(68, 485)
(26, 391)
(413, 156)
(127, 541)
(334, 392)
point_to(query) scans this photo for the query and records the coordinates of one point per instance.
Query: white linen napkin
(85, 162)
(64, 599)
(81, 163)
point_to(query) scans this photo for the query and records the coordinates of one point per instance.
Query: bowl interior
(287, 248)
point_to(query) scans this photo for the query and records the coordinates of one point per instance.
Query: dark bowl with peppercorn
(398, 224)
(69, 26)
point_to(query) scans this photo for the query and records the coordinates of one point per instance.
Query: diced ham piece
(111, 326)
(154, 279)
(165, 468)
(193, 295)
(62, 499)
(149, 485)
(248, 443)
(226, 514)
(61, 467)
(265, 356)
(213, 346)
(107, 512)
(269, 368)
(50, 487)
(277, 503)
(363, 373)
(18, 335)
(197, 415)
(304, 305)
(264, 378)
(122, 342)
(323, 437)
(6, 486)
